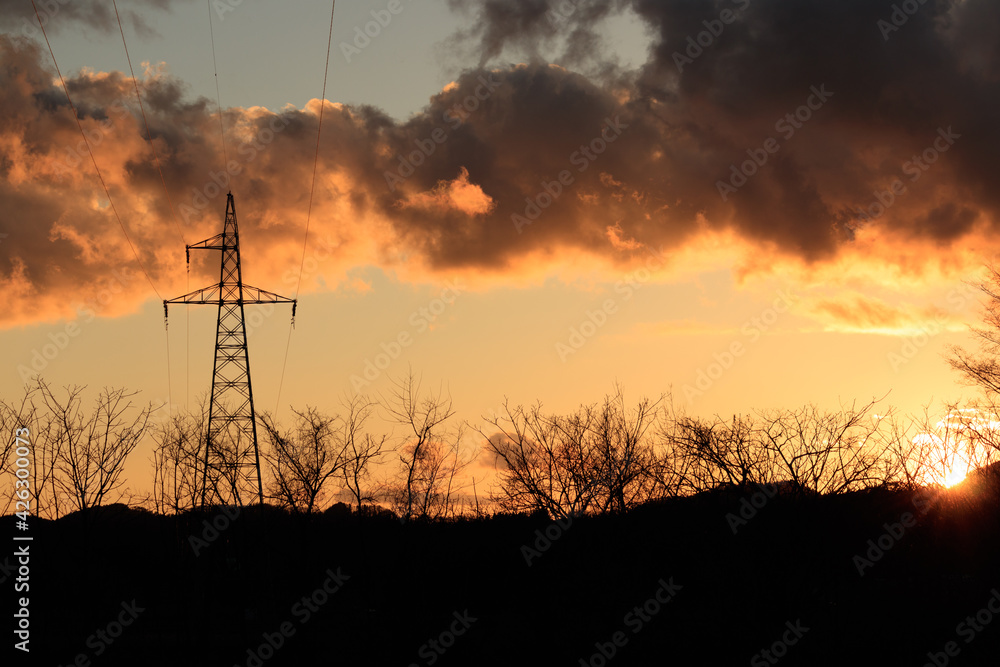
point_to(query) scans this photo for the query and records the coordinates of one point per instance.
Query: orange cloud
(861, 314)
(456, 195)
(636, 160)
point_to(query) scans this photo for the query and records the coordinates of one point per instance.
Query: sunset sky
(620, 203)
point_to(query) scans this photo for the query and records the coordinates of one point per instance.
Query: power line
(149, 134)
(319, 132)
(166, 192)
(218, 97)
(312, 188)
(90, 150)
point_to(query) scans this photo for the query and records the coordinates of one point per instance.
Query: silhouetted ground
(792, 565)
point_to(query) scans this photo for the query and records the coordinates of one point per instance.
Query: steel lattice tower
(232, 424)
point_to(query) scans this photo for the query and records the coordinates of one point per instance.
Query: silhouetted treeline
(603, 458)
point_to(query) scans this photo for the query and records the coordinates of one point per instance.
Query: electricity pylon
(230, 411)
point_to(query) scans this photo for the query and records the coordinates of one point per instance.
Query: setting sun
(956, 445)
(955, 474)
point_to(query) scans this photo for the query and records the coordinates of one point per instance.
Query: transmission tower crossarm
(203, 295)
(217, 242)
(263, 296)
(213, 295)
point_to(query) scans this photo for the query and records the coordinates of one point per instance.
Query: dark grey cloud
(454, 186)
(18, 17)
(722, 85)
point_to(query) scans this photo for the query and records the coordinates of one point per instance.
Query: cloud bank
(808, 134)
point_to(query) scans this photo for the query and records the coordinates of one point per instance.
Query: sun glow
(956, 445)
(954, 475)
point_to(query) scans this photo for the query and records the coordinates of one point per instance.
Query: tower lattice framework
(232, 424)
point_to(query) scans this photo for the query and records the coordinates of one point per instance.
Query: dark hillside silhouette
(794, 560)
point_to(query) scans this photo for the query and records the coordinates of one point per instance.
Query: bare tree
(982, 369)
(822, 452)
(430, 456)
(622, 454)
(598, 458)
(904, 458)
(44, 449)
(360, 449)
(825, 452)
(945, 450)
(93, 447)
(979, 425)
(710, 453)
(302, 461)
(13, 417)
(178, 459)
(541, 465)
